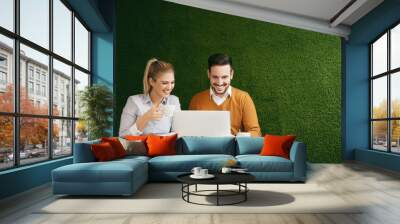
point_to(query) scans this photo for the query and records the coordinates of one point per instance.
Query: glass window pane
(81, 45)
(379, 55)
(379, 100)
(379, 135)
(7, 14)
(395, 47)
(62, 138)
(62, 29)
(35, 21)
(81, 131)
(81, 81)
(395, 94)
(6, 142)
(62, 89)
(395, 138)
(6, 74)
(33, 140)
(34, 97)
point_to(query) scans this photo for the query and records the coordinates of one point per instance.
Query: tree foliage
(96, 103)
(380, 127)
(33, 130)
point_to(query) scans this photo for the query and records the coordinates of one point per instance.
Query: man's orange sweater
(243, 112)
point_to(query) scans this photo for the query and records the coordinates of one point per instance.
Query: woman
(151, 112)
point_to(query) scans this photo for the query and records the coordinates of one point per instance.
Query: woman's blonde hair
(154, 67)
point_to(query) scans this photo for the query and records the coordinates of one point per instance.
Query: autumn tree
(380, 127)
(33, 131)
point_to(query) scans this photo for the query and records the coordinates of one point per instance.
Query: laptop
(201, 123)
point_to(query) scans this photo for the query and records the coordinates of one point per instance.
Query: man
(222, 96)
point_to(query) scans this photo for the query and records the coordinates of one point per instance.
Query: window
(81, 45)
(7, 14)
(38, 89)
(47, 91)
(30, 72)
(44, 91)
(3, 78)
(34, 21)
(3, 72)
(7, 86)
(30, 87)
(385, 91)
(3, 61)
(38, 74)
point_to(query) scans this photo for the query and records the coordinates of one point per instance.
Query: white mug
(196, 170)
(243, 134)
(226, 170)
(168, 110)
(203, 172)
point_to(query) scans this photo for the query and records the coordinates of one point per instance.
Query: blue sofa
(125, 176)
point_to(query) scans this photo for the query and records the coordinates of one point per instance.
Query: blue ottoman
(118, 177)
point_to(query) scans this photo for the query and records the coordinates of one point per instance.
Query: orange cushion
(276, 145)
(136, 137)
(103, 151)
(116, 145)
(161, 145)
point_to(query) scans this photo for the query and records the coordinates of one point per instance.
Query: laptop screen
(202, 123)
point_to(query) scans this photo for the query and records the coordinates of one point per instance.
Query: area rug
(167, 198)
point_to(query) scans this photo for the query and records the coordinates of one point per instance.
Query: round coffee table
(238, 179)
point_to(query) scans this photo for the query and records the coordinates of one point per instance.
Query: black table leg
(245, 193)
(217, 194)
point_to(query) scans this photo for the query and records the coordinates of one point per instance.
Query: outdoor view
(382, 119)
(34, 119)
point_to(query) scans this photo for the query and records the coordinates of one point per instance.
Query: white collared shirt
(220, 100)
(136, 106)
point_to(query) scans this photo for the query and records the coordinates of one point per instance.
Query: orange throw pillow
(276, 145)
(161, 145)
(116, 145)
(103, 152)
(136, 137)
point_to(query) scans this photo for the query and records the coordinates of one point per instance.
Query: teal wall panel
(24, 178)
(357, 99)
(293, 75)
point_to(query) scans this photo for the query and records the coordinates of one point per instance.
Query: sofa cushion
(161, 145)
(257, 163)
(103, 152)
(246, 145)
(277, 145)
(116, 145)
(185, 163)
(134, 147)
(196, 145)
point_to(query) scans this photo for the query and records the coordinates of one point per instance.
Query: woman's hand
(153, 114)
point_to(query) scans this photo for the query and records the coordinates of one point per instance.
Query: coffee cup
(203, 172)
(226, 170)
(196, 171)
(243, 134)
(168, 110)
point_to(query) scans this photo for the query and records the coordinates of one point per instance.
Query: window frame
(16, 114)
(388, 74)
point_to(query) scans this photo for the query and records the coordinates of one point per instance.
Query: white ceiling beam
(267, 15)
(348, 12)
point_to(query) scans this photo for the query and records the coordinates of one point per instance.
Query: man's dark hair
(219, 59)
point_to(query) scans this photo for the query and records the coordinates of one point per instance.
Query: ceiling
(326, 16)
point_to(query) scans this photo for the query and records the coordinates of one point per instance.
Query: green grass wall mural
(293, 75)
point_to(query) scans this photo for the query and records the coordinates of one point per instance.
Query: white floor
(378, 189)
